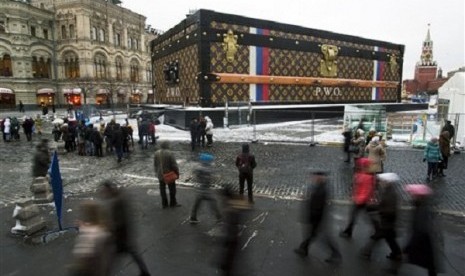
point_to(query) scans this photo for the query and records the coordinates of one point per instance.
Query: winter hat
(375, 140)
(418, 190)
(434, 139)
(245, 148)
(206, 157)
(360, 132)
(388, 177)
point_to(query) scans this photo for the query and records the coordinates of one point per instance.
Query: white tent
(454, 91)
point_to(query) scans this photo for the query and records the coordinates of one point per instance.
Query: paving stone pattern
(283, 170)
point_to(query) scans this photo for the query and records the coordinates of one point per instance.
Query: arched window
(71, 65)
(101, 35)
(2, 27)
(136, 44)
(5, 66)
(119, 68)
(63, 32)
(129, 43)
(41, 67)
(100, 66)
(134, 71)
(93, 33)
(148, 72)
(71, 31)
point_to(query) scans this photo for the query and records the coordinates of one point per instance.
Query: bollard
(41, 190)
(27, 218)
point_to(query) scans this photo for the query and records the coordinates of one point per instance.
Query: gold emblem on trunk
(230, 45)
(328, 65)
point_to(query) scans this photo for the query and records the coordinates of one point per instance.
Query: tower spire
(428, 35)
(426, 58)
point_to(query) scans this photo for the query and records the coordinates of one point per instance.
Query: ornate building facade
(73, 51)
(428, 77)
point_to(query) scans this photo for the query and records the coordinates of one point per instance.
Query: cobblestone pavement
(282, 171)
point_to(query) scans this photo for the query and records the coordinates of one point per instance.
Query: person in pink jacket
(362, 192)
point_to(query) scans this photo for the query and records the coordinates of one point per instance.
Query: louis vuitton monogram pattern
(188, 69)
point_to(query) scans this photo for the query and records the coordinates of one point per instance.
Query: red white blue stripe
(377, 93)
(259, 60)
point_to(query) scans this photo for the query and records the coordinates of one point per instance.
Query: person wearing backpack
(245, 163)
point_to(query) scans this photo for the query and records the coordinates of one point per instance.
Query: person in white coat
(7, 129)
(209, 131)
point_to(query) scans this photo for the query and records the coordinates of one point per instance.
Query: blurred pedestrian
(234, 216)
(444, 145)
(119, 223)
(204, 175)
(449, 128)
(347, 138)
(93, 250)
(152, 130)
(432, 155)
(44, 109)
(97, 140)
(421, 248)
(377, 154)
(245, 163)
(38, 124)
(164, 162)
(387, 210)
(209, 131)
(28, 125)
(21, 106)
(117, 141)
(41, 160)
(313, 215)
(358, 145)
(201, 131)
(144, 133)
(194, 126)
(362, 192)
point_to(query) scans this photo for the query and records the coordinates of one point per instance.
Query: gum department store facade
(73, 51)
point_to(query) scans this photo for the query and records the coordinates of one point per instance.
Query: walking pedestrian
(421, 248)
(245, 163)
(363, 190)
(377, 155)
(347, 138)
(164, 162)
(314, 213)
(118, 212)
(444, 145)
(28, 124)
(209, 131)
(358, 145)
(432, 155)
(449, 128)
(41, 160)
(117, 141)
(194, 126)
(204, 175)
(387, 210)
(21, 106)
(201, 131)
(97, 140)
(93, 250)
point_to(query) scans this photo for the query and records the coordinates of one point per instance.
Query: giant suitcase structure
(210, 58)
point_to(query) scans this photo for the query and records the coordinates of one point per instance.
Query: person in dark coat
(165, 161)
(204, 175)
(387, 209)
(118, 221)
(201, 131)
(444, 146)
(41, 160)
(347, 140)
(117, 141)
(449, 128)
(97, 140)
(194, 127)
(144, 133)
(314, 212)
(421, 248)
(245, 163)
(28, 124)
(44, 110)
(21, 106)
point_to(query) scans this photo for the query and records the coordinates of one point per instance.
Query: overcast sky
(398, 21)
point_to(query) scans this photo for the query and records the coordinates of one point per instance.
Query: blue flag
(57, 186)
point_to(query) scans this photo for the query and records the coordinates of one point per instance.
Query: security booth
(46, 96)
(7, 98)
(72, 96)
(211, 58)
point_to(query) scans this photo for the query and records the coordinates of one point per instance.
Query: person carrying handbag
(164, 163)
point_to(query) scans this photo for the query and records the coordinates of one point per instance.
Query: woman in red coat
(362, 192)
